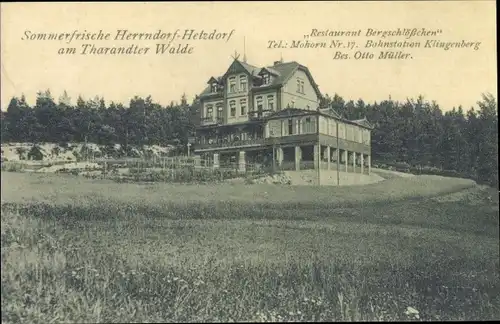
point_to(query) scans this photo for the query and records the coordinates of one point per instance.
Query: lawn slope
(75, 250)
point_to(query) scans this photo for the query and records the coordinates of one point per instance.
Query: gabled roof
(269, 70)
(363, 122)
(287, 70)
(282, 71)
(243, 67)
(252, 70)
(212, 80)
(329, 112)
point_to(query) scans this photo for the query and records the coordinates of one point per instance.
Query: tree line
(416, 132)
(143, 122)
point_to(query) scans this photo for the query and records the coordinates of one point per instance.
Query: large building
(250, 112)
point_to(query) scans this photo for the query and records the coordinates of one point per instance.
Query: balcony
(221, 143)
(259, 114)
(207, 121)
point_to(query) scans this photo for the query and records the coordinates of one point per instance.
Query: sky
(452, 78)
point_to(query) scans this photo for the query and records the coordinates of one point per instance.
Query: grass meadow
(81, 250)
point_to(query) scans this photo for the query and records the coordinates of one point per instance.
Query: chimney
(277, 62)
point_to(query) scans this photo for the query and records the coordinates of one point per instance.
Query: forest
(416, 133)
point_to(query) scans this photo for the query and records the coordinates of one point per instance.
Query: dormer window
(214, 85)
(266, 78)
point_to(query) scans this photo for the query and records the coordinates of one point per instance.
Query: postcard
(249, 161)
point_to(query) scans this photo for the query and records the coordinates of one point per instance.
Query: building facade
(272, 115)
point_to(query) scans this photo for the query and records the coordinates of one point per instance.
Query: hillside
(408, 248)
(52, 152)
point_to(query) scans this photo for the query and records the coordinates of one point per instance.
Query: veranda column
(327, 154)
(316, 157)
(354, 162)
(337, 156)
(279, 155)
(362, 162)
(241, 162)
(216, 160)
(298, 157)
(369, 157)
(345, 154)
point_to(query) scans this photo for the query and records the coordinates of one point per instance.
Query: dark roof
(331, 112)
(363, 122)
(283, 72)
(269, 70)
(252, 70)
(212, 80)
(207, 91)
(291, 112)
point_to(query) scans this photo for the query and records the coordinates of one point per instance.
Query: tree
(65, 100)
(488, 133)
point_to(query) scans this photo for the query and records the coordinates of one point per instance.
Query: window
(357, 134)
(243, 107)
(243, 83)
(232, 106)
(267, 78)
(307, 125)
(259, 103)
(300, 86)
(219, 110)
(341, 130)
(210, 109)
(333, 128)
(214, 87)
(232, 84)
(290, 126)
(270, 102)
(366, 136)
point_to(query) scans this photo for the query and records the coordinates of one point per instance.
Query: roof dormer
(267, 75)
(215, 84)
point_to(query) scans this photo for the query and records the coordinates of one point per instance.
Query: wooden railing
(307, 165)
(256, 114)
(211, 121)
(239, 143)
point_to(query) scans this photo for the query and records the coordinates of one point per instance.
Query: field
(81, 250)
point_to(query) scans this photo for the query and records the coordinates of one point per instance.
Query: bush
(184, 174)
(12, 167)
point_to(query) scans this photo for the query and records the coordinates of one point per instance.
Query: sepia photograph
(279, 161)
